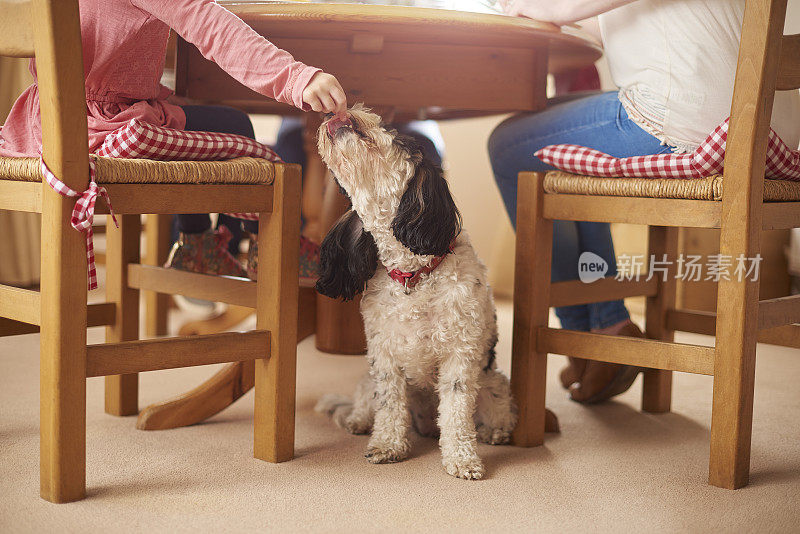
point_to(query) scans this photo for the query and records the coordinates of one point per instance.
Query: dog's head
(393, 188)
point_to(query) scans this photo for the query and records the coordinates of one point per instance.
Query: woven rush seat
(691, 188)
(144, 171)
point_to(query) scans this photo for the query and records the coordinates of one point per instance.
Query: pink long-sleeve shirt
(124, 43)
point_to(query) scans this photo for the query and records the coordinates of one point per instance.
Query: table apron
(405, 76)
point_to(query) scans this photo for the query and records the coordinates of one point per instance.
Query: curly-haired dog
(428, 311)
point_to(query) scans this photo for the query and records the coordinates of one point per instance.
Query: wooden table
(415, 63)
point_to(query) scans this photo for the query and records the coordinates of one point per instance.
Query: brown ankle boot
(205, 253)
(308, 263)
(601, 380)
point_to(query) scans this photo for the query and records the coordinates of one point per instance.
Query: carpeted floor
(611, 467)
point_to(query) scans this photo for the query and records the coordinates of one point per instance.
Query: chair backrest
(768, 60)
(16, 32)
(789, 64)
(50, 30)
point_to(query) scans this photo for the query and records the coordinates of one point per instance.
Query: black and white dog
(428, 310)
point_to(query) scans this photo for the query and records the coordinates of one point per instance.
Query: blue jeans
(220, 119)
(598, 122)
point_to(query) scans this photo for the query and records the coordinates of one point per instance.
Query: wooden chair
(51, 28)
(767, 61)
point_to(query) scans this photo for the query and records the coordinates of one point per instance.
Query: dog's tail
(335, 406)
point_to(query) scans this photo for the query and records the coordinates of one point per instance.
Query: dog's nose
(336, 122)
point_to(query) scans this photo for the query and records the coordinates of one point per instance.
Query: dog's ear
(348, 259)
(427, 219)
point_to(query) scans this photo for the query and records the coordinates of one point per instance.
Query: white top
(675, 61)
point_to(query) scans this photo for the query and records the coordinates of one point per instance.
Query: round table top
(568, 46)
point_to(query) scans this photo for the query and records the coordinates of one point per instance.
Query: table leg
(313, 181)
(339, 325)
(340, 328)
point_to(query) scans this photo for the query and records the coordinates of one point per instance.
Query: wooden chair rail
(97, 315)
(10, 327)
(701, 322)
(780, 215)
(22, 305)
(238, 291)
(629, 351)
(103, 314)
(651, 211)
(783, 336)
(660, 211)
(21, 196)
(16, 35)
(153, 198)
(170, 353)
(187, 198)
(778, 312)
(576, 292)
(789, 66)
(697, 322)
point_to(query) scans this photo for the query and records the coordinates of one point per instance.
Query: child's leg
(198, 249)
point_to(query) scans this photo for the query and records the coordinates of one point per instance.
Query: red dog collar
(410, 279)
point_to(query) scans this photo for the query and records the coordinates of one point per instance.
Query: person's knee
(289, 143)
(497, 140)
(237, 122)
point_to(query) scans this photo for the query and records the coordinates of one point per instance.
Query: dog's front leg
(458, 391)
(389, 441)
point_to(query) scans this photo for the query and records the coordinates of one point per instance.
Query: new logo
(591, 267)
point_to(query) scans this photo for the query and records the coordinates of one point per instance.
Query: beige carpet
(611, 467)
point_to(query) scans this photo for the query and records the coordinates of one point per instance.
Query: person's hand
(559, 12)
(323, 93)
(526, 8)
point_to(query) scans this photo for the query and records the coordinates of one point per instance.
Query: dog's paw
(385, 454)
(356, 425)
(468, 469)
(493, 436)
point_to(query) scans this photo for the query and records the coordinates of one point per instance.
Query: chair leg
(657, 391)
(276, 301)
(531, 310)
(657, 386)
(735, 355)
(734, 384)
(62, 355)
(157, 236)
(122, 248)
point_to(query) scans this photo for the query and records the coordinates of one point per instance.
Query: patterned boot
(205, 253)
(309, 261)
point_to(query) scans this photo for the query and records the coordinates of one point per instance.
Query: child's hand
(323, 93)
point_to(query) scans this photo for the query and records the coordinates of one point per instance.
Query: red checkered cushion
(140, 140)
(709, 158)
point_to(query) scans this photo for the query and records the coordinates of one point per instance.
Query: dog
(429, 313)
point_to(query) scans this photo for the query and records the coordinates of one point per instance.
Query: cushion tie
(83, 212)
